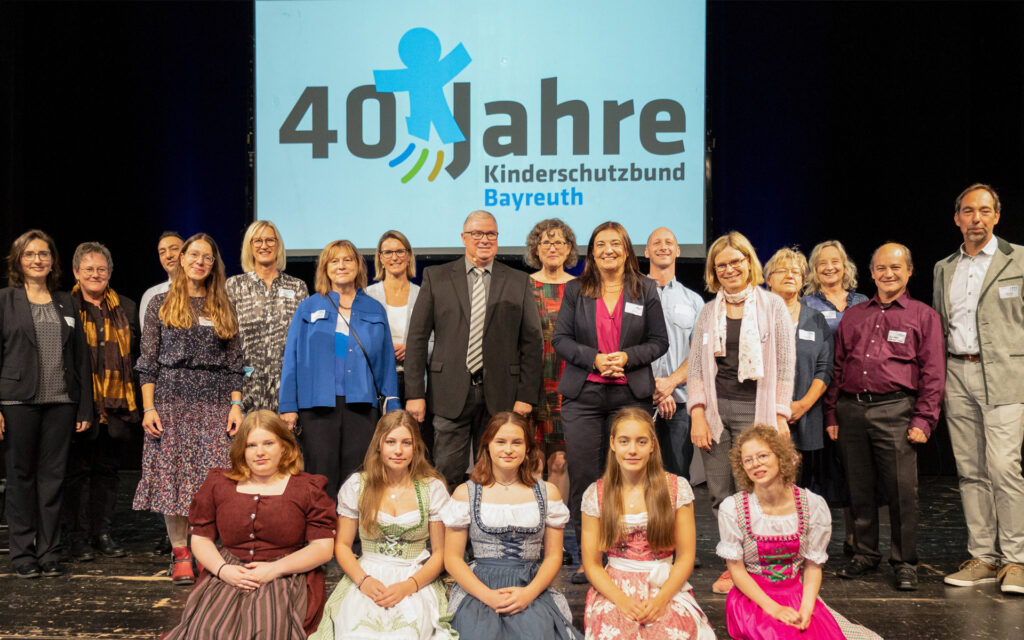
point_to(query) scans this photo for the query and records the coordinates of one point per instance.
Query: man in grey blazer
(979, 294)
(487, 346)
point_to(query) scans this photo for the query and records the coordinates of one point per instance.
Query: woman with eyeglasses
(265, 300)
(609, 330)
(741, 363)
(190, 370)
(45, 396)
(338, 360)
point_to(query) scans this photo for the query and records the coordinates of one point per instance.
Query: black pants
(426, 427)
(453, 438)
(90, 488)
(873, 443)
(586, 421)
(334, 439)
(37, 436)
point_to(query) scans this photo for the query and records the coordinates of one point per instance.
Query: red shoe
(723, 585)
(181, 568)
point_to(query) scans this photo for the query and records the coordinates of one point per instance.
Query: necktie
(477, 310)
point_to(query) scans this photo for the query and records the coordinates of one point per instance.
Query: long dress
(194, 372)
(639, 572)
(257, 528)
(547, 415)
(396, 552)
(508, 542)
(774, 549)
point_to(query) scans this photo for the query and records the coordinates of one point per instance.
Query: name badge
(319, 314)
(806, 335)
(634, 308)
(704, 340)
(830, 314)
(286, 293)
(1009, 291)
(205, 322)
(70, 320)
(897, 336)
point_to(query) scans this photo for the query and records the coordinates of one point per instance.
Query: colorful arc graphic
(402, 157)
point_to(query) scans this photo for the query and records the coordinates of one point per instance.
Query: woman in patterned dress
(190, 370)
(773, 539)
(265, 299)
(275, 527)
(393, 591)
(515, 523)
(640, 515)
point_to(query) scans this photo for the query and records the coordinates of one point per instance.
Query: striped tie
(478, 308)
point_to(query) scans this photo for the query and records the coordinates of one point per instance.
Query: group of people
(609, 380)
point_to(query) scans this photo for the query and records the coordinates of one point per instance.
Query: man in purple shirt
(890, 374)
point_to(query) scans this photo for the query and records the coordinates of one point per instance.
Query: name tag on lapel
(286, 293)
(806, 335)
(633, 308)
(830, 314)
(704, 340)
(897, 336)
(70, 320)
(205, 322)
(1009, 291)
(319, 314)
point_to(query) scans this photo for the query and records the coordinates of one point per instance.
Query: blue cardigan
(307, 375)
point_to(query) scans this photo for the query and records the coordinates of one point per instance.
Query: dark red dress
(261, 529)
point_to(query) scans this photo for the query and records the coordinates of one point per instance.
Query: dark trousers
(874, 446)
(90, 487)
(334, 439)
(37, 438)
(586, 421)
(453, 438)
(426, 427)
(674, 440)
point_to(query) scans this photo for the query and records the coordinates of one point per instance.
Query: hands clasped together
(387, 596)
(249, 576)
(611, 365)
(509, 600)
(642, 611)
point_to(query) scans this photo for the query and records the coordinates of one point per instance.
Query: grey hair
(85, 249)
(480, 214)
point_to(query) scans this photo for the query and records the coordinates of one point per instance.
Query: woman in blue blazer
(338, 357)
(610, 329)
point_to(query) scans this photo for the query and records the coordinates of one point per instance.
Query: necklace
(505, 484)
(398, 490)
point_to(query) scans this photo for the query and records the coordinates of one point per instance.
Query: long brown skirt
(217, 611)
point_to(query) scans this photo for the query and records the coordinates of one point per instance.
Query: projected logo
(424, 79)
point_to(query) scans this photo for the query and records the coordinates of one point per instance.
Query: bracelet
(415, 582)
(218, 570)
(360, 584)
(237, 403)
(145, 411)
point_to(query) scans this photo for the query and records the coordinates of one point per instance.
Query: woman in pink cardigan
(741, 364)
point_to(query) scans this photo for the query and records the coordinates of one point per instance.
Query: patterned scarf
(751, 361)
(113, 389)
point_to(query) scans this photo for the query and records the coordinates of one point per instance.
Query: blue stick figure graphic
(424, 77)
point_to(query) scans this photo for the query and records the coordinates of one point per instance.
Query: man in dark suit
(487, 346)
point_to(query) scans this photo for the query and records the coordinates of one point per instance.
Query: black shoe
(108, 546)
(579, 578)
(848, 549)
(697, 564)
(30, 570)
(856, 569)
(163, 547)
(80, 551)
(906, 579)
(52, 569)
(567, 560)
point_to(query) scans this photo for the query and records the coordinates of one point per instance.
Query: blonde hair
(786, 255)
(739, 242)
(176, 311)
(375, 475)
(323, 283)
(781, 446)
(291, 456)
(849, 268)
(378, 267)
(660, 510)
(248, 261)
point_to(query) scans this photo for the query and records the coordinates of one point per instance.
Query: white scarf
(751, 361)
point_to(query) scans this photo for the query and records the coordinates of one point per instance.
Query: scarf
(751, 360)
(113, 379)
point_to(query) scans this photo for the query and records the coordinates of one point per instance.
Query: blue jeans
(674, 439)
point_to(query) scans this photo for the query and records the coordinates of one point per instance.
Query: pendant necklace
(505, 484)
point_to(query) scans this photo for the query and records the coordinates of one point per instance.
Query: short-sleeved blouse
(262, 528)
(818, 533)
(684, 496)
(348, 503)
(525, 514)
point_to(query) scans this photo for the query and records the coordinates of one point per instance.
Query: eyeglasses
(99, 271)
(734, 265)
(269, 242)
(788, 272)
(393, 253)
(32, 255)
(480, 235)
(557, 244)
(761, 458)
(196, 257)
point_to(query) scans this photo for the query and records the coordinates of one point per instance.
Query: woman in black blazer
(45, 394)
(609, 330)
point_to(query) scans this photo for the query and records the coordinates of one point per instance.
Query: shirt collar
(989, 249)
(900, 301)
(470, 266)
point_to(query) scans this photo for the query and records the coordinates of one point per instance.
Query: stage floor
(133, 597)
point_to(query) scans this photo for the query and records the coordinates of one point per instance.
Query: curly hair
(781, 446)
(544, 230)
(813, 285)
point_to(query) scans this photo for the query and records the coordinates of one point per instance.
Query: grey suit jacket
(512, 342)
(1000, 320)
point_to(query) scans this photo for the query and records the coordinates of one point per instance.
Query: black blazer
(19, 359)
(512, 344)
(643, 338)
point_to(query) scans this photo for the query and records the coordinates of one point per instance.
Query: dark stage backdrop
(856, 121)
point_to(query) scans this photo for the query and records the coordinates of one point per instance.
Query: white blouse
(348, 503)
(819, 527)
(684, 496)
(525, 514)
